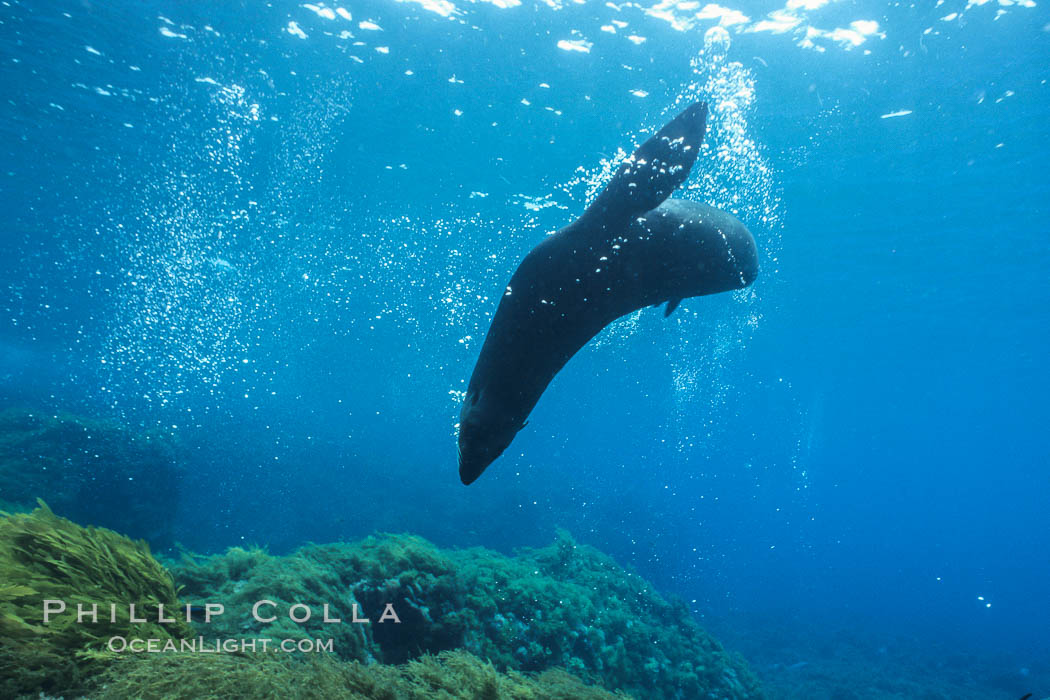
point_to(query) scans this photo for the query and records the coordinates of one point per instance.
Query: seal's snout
(468, 474)
(468, 471)
(473, 462)
(478, 447)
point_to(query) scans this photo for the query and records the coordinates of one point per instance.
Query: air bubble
(716, 43)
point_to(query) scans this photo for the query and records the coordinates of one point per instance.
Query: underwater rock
(48, 563)
(47, 558)
(570, 605)
(565, 605)
(562, 621)
(95, 472)
(405, 571)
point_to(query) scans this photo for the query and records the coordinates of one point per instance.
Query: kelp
(46, 557)
(454, 675)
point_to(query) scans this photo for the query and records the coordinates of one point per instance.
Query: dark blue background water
(286, 251)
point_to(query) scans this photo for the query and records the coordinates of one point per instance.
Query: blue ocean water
(279, 232)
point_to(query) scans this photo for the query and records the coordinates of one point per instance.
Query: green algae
(565, 605)
(570, 605)
(401, 570)
(242, 577)
(45, 557)
(563, 621)
(81, 466)
(448, 676)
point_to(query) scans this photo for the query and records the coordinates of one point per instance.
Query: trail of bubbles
(209, 251)
(734, 172)
(735, 175)
(181, 296)
(234, 257)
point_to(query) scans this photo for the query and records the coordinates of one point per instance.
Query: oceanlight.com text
(200, 645)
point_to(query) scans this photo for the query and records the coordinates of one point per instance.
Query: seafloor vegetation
(451, 675)
(81, 466)
(565, 605)
(559, 622)
(45, 557)
(562, 621)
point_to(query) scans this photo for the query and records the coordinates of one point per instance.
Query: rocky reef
(562, 621)
(82, 466)
(565, 605)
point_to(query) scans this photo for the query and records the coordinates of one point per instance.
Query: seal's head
(484, 433)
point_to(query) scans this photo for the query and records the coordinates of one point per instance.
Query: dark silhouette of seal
(633, 247)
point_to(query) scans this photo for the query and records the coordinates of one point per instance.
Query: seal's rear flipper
(655, 170)
(672, 304)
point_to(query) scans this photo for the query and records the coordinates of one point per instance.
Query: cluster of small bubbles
(460, 294)
(734, 172)
(716, 44)
(183, 293)
(202, 255)
(468, 289)
(808, 431)
(430, 265)
(703, 353)
(588, 182)
(734, 175)
(374, 277)
(224, 145)
(620, 328)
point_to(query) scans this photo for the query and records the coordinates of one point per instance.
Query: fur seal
(632, 247)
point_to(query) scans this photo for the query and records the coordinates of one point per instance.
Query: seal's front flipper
(655, 170)
(672, 304)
